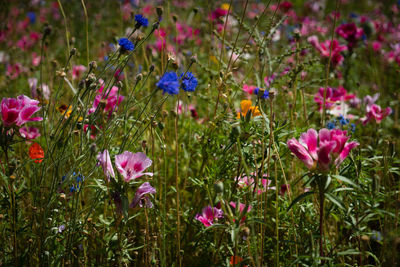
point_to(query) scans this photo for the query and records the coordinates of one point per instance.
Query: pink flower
(29, 132)
(131, 166)
(19, 110)
(77, 71)
(105, 162)
(111, 97)
(375, 112)
(208, 215)
(245, 181)
(241, 209)
(249, 88)
(324, 49)
(13, 71)
(323, 150)
(141, 195)
(350, 33)
(284, 189)
(332, 95)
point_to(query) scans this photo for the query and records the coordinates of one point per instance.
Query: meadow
(199, 133)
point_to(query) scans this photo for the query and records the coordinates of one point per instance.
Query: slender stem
(329, 62)
(177, 183)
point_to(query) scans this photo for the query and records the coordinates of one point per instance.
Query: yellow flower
(225, 6)
(246, 106)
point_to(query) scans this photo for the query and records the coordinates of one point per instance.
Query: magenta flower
(332, 96)
(105, 162)
(245, 181)
(241, 209)
(324, 49)
(110, 96)
(19, 110)
(208, 215)
(323, 150)
(141, 195)
(376, 112)
(350, 33)
(131, 166)
(29, 132)
(249, 88)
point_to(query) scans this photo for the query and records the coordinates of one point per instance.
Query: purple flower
(131, 166)
(208, 215)
(105, 162)
(19, 110)
(141, 195)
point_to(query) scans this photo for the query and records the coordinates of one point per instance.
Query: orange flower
(245, 106)
(36, 152)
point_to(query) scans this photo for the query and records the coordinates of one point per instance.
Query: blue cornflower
(125, 44)
(32, 17)
(331, 125)
(265, 95)
(141, 21)
(343, 120)
(169, 83)
(353, 127)
(189, 82)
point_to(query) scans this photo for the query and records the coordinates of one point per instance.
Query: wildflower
(19, 110)
(141, 195)
(111, 97)
(322, 150)
(131, 166)
(265, 94)
(284, 189)
(249, 88)
(79, 178)
(245, 106)
(29, 132)
(126, 45)
(105, 162)
(241, 209)
(61, 228)
(331, 125)
(77, 71)
(208, 215)
(370, 100)
(343, 121)
(332, 95)
(36, 152)
(250, 182)
(189, 82)
(325, 49)
(141, 21)
(375, 112)
(350, 33)
(169, 83)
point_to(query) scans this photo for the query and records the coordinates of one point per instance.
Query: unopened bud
(72, 52)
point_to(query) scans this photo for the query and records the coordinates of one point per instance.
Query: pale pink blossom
(131, 165)
(29, 132)
(209, 215)
(105, 162)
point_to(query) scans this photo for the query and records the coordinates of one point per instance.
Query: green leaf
(334, 200)
(345, 180)
(297, 199)
(125, 206)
